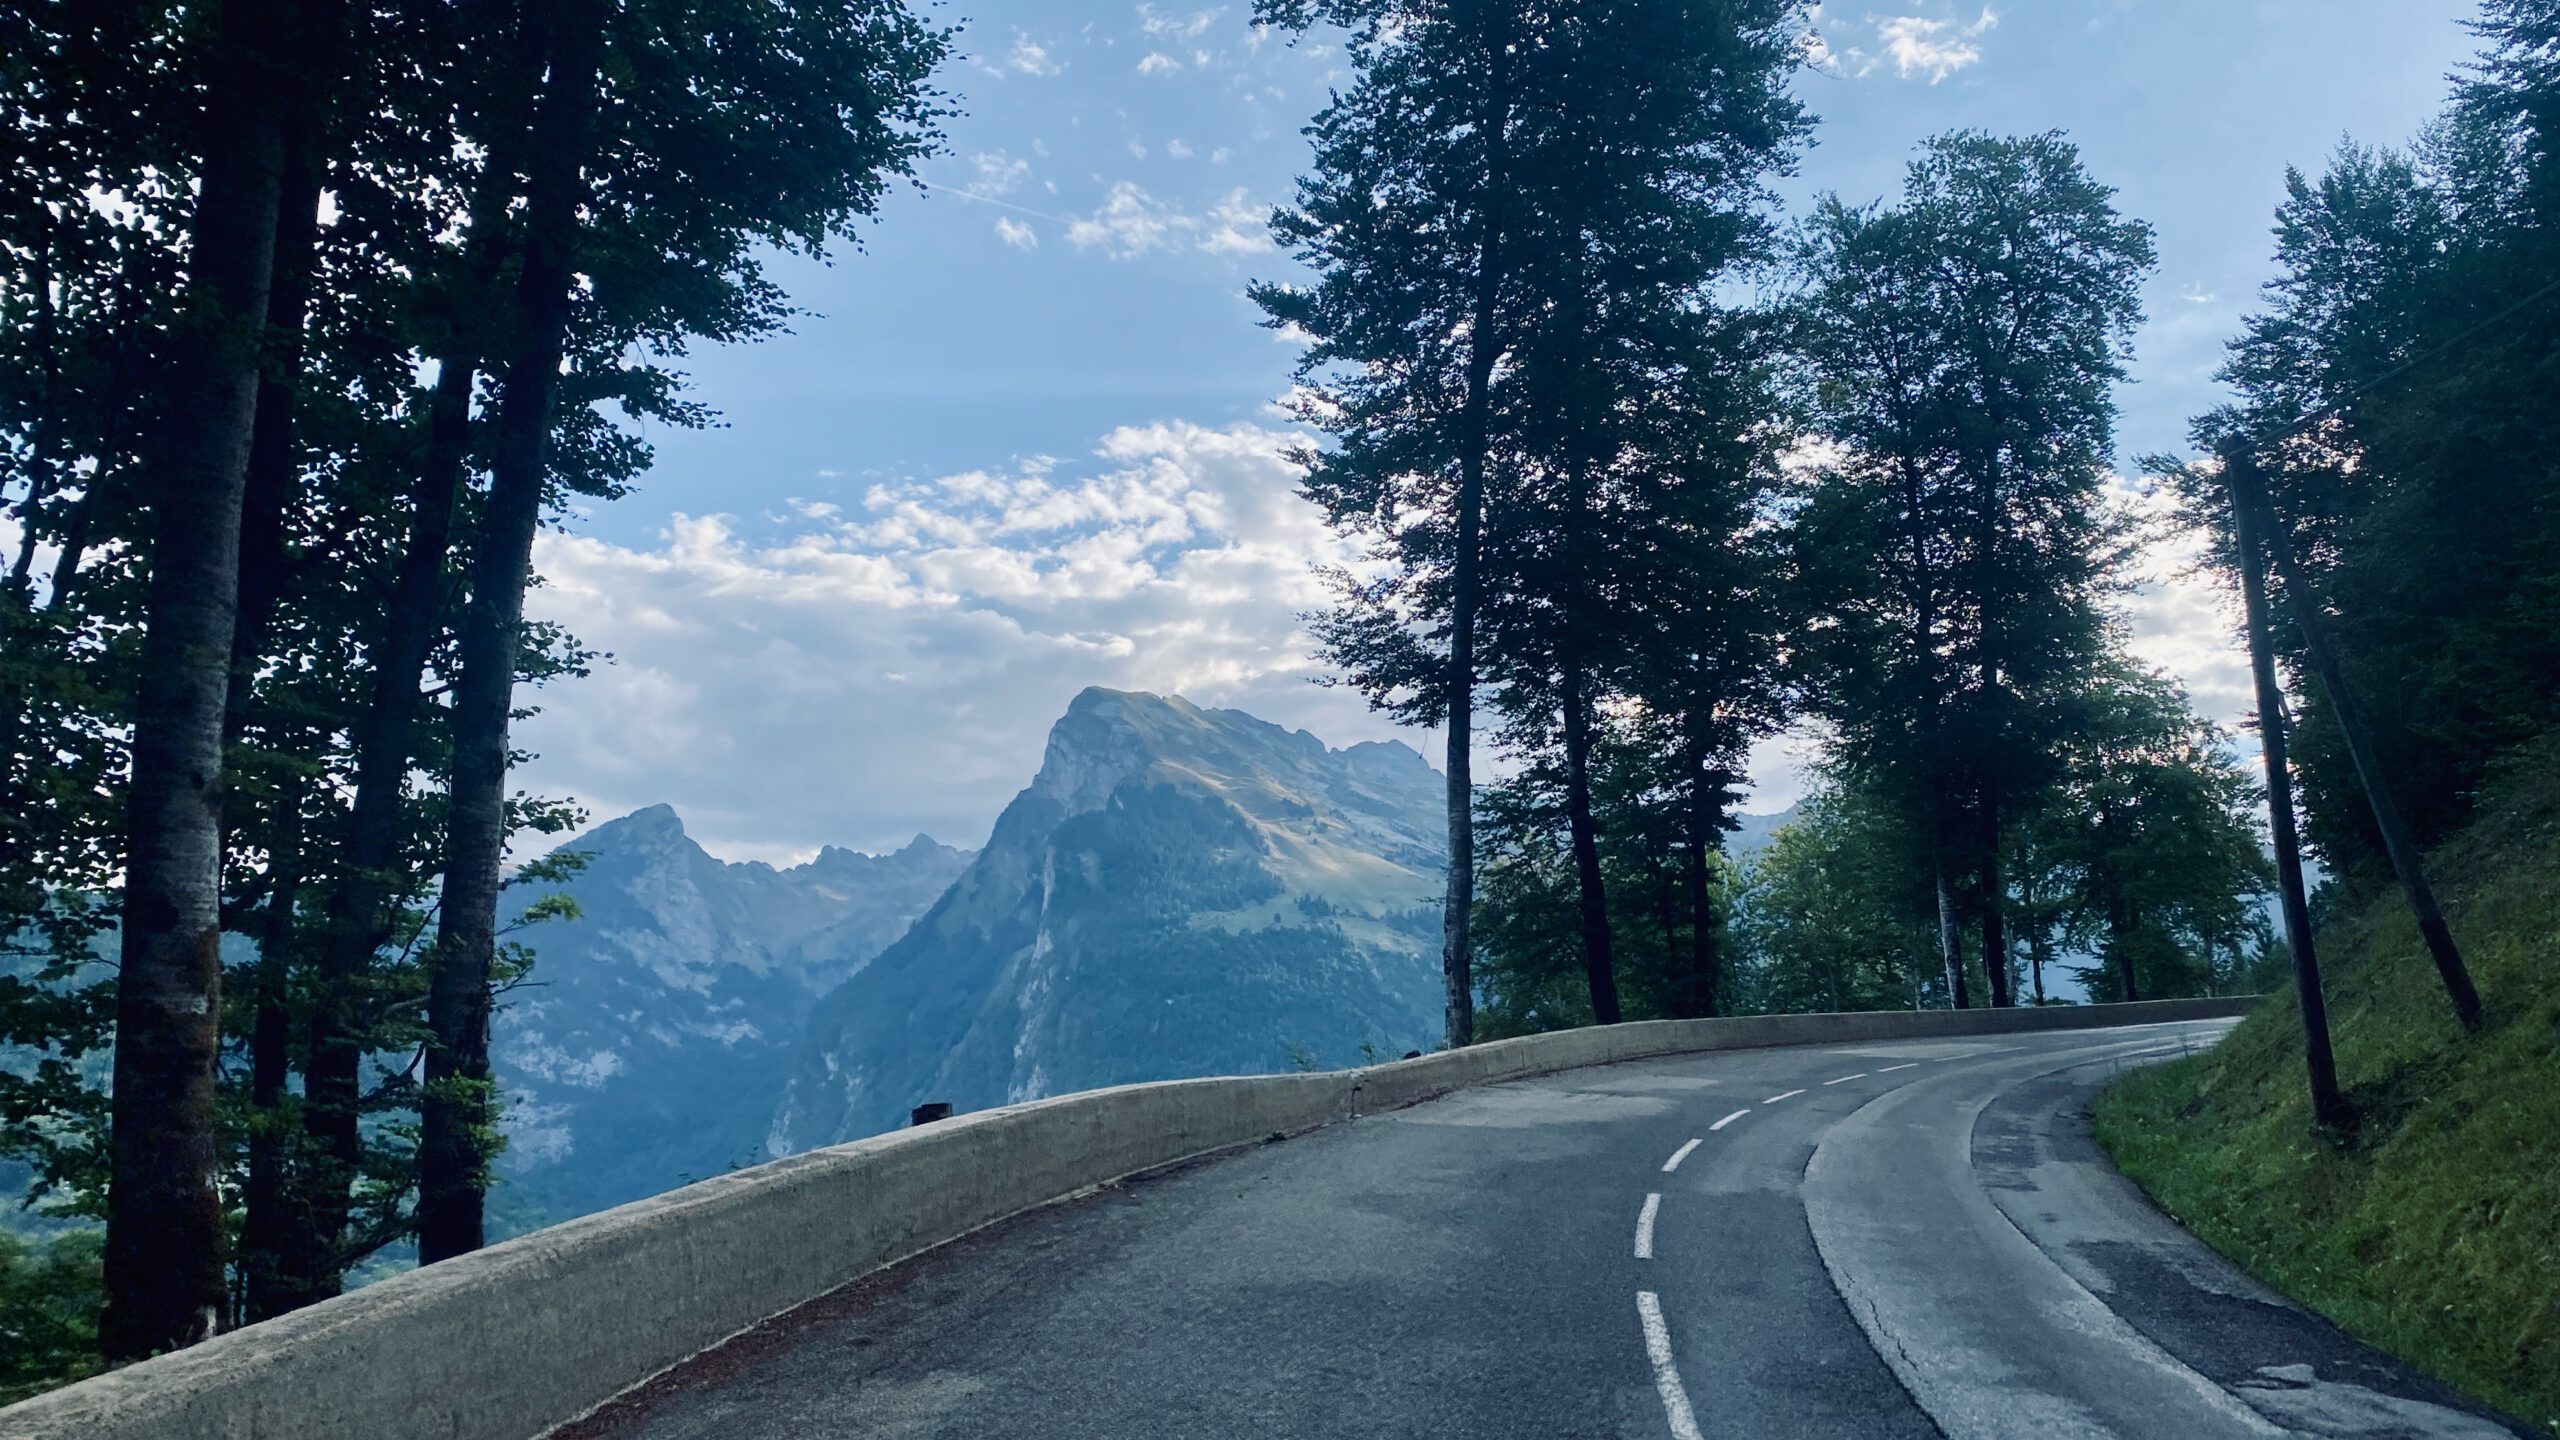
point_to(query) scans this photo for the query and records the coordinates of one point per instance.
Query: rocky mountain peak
(1179, 891)
(653, 829)
(658, 1032)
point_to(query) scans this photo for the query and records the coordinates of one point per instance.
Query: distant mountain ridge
(1752, 833)
(1178, 892)
(656, 1031)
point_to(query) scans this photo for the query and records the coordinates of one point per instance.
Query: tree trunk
(1987, 662)
(1995, 934)
(2250, 495)
(456, 1112)
(2035, 917)
(2039, 950)
(1925, 651)
(372, 879)
(2328, 1103)
(1599, 964)
(1950, 937)
(164, 1245)
(2120, 928)
(1457, 955)
(1705, 818)
(268, 1228)
(274, 474)
(267, 1225)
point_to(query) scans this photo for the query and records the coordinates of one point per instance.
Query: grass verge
(2434, 1231)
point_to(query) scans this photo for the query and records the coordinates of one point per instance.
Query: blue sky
(1024, 441)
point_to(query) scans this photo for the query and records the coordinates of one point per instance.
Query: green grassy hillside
(2435, 1231)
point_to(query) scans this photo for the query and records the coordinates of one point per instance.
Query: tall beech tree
(669, 144)
(1412, 218)
(1874, 542)
(449, 312)
(1645, 418)
(456, 1109)
(1962, 351)
(165, 1242)
(1516, 215)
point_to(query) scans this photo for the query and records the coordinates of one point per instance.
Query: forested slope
(2434, 1229)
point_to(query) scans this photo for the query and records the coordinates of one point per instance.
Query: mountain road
(1892, 1240)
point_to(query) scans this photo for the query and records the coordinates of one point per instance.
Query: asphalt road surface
(1895, 1240)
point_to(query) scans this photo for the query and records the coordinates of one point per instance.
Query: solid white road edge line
(1644, 1227)
(1666, 1376)
(1679, 1155)
(1729, 1119)
(1774, 1099)
(1845, 1079)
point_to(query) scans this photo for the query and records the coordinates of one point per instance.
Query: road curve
(1904, 1239)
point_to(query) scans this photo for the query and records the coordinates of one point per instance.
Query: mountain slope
(658, 1027)
(1178, 892)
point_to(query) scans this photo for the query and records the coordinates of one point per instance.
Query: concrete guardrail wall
(514, 1340)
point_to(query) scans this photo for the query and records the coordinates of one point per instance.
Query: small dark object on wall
(929, 1112)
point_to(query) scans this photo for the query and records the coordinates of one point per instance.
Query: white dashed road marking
(1729, 1119)
(1845, 1079)
(1677, 1156)
(1644, 1227)
(1889, 1069)
(1666, 1375)
(1774, 1099)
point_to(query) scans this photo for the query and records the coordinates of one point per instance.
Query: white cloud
(1935, 48)
(856, 678)
(2181, 620)
(1132, 223)
(1237, 226)
(1177, 149)
(1017, 234)
(997, 173)
(1030, 57)
(1151, 21)
(1158, 63)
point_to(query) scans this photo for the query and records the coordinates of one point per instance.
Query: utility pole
(2328, 1104)
(2249, 501)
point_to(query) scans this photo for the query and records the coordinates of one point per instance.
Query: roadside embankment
(511, 1341)
(2433, 1231)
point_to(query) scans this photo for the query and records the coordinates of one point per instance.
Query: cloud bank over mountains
(891, 665)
